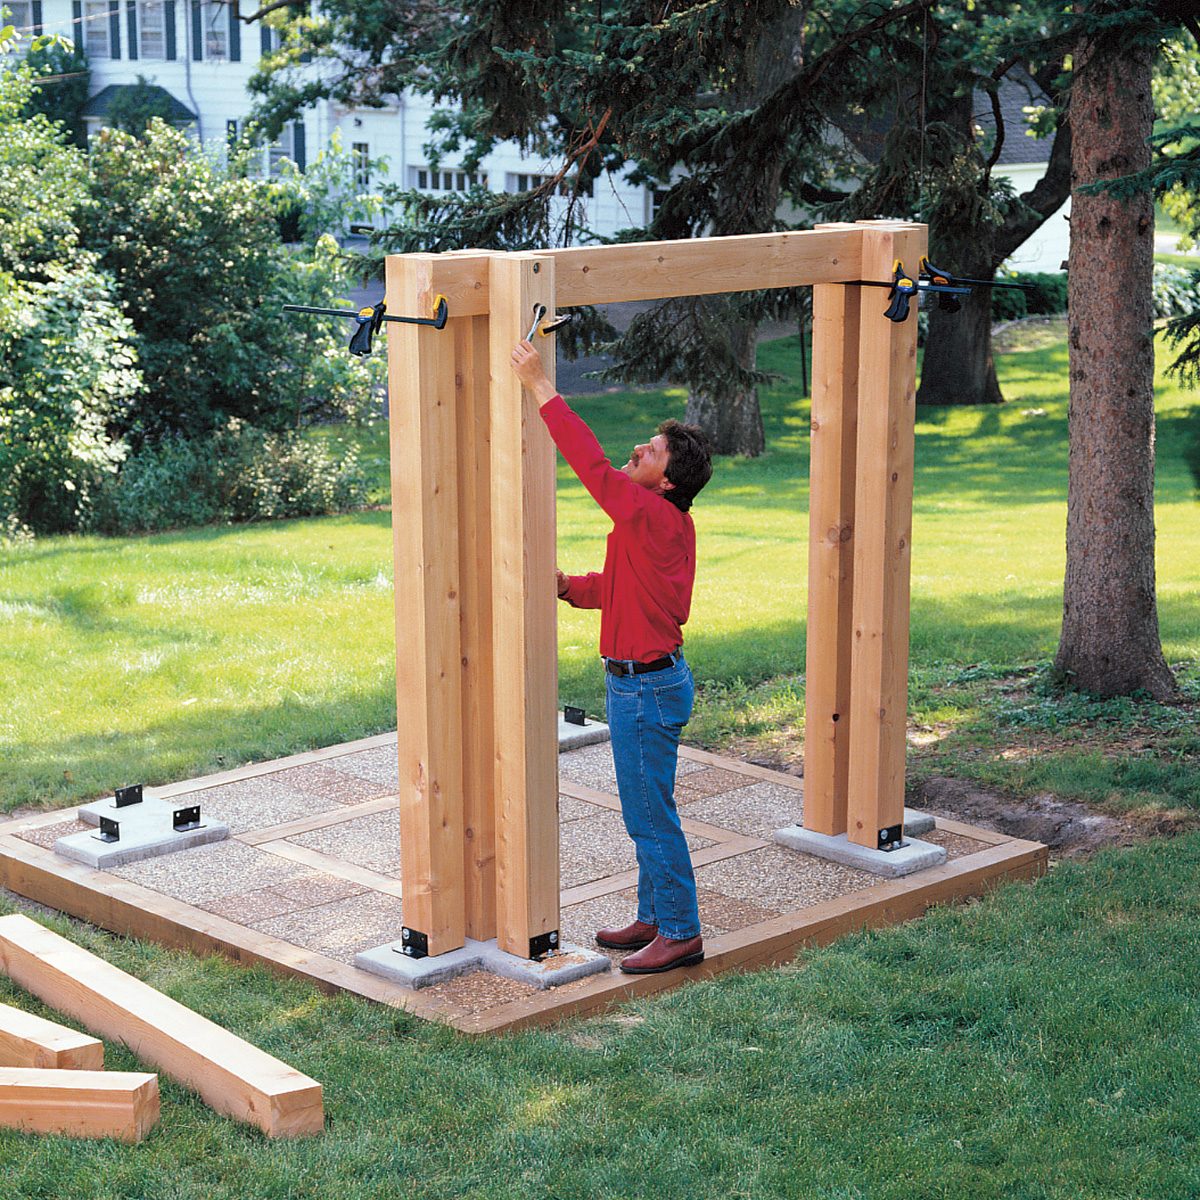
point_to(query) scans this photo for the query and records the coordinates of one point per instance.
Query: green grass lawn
(1038, 1045)
(156, 658)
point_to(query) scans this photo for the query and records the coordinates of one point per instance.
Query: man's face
(647, 464)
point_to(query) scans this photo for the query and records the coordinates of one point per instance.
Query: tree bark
(733, 420)
(1110, 640)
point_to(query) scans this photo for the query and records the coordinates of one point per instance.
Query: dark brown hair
(690, 464)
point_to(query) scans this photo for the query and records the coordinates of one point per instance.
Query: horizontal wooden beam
(231, 1075)
(90, 1104)
(654, 270)
(27, 1040)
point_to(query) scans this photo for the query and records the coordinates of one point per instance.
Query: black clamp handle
(903, 290)
(539, 315)
(370, 320)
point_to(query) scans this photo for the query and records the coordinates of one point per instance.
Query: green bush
(195, 252)
(1049, 294)
(1046, 295)
(67, 372)
(238, 473)
(1176, 290)
(1008, 304)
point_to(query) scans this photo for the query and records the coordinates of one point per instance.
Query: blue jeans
(646, 714)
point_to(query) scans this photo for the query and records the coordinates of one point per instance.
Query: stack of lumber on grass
(52, 1080)
(230, 1074)
(114, 1104)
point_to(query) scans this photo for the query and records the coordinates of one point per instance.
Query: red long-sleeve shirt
(644, 593)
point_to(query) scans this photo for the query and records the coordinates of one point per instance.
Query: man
(643, 594)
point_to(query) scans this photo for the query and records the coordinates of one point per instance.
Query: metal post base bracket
(390, 962)
(914, 855)
(144, 829)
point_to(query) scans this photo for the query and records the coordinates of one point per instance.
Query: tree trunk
(1110, 641)
(732, 421)
(957, 366)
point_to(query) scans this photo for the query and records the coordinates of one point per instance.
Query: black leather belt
(617, 667)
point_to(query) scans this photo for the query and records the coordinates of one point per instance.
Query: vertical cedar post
(882, 541)
(423, 432)
(471, 378)
(835, 327)
(525, 651)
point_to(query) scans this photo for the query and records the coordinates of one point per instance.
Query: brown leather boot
(632, 937)
(663, 954)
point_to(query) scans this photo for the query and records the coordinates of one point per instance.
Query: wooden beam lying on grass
(232, 1076)
(27, 1040)
(90, 1104)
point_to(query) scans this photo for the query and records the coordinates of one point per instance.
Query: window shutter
(299, 151)
(235, 32)
(264, 39)
(114, 27)
(169, 26)
(197, 32)
(77, 13)
(37, 18)
(131, 26)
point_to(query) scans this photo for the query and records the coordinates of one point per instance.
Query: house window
(278, 150)
(654, 202)
(360, 153)
(19, 16)
(426, 180)
(215, 24)
(527, 182)
(96, 15)
(152, 30)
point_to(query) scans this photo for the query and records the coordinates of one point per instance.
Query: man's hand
(528, 369)
(563, 583)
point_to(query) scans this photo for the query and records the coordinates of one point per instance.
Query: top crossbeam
(657, 270)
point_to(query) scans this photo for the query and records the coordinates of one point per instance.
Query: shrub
(67, 372)
(197, 260)
(238, 473)
(1008, 304)
(1046, 295)
(1176, 290)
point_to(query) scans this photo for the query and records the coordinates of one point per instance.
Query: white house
(199, 53)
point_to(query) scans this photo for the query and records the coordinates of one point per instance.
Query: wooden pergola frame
(473, 504)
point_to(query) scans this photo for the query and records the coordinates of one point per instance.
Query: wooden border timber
(232, 1076)
(777, 941)
(87, 1104)
(27, 1040)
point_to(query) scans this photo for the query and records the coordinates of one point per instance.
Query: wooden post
(472, 402)
(425, 533)
(831, 554)
(882, 537)
(525, 654)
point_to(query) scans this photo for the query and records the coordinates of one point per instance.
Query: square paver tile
(249, 906)
(379, 765)
(372, 841)
(592, 766)
(570, 809)
(708, 781)
(727, 913)
(758, 810)
(257, 803)
(955, 844)
(781, 879)
(205, 873)
(341, 928)
(319, 780)
(598, 846)
(307, 890)
(477, 991)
